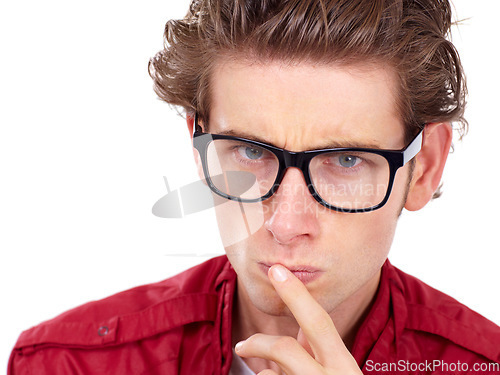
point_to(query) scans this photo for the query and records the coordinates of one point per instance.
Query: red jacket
(183, 326)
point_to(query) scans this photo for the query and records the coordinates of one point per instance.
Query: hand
(318, 349)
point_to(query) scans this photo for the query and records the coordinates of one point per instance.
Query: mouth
(306, 274)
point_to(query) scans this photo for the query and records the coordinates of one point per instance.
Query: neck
(347, 317)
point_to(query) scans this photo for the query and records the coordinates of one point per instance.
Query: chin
(270, 305)
(261, 294)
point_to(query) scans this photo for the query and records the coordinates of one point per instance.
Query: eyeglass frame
(301, 160)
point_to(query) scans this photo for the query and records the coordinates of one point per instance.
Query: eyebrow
(327, 145)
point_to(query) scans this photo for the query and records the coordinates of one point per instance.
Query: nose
(293, 210)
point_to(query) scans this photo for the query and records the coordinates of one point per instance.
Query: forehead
(305, 106)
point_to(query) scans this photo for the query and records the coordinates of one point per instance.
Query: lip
(306, 274)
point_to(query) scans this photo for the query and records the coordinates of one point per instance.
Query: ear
(196, 155)
(429, 165)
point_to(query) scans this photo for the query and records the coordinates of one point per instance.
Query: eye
(348, 161)
(252, 153)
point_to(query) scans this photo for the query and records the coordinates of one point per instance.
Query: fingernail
(239, 346)
(279, 273)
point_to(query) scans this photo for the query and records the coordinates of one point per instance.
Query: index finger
(316, 324)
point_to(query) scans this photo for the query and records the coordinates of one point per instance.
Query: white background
(84, 146)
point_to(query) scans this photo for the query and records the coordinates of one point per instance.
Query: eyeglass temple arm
(413, 148)
(196, 127)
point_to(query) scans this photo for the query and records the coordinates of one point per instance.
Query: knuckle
(283, 344)
(255, 338)
(267, 372)
(322, 324)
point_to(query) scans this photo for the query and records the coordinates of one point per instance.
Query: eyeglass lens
(347, 180)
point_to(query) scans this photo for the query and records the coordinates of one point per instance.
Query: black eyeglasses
(342, 179)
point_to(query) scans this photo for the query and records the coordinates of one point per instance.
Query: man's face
(298, 108)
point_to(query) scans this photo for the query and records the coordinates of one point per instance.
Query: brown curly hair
(411, 36)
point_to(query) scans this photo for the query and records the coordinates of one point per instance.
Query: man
(318, 121)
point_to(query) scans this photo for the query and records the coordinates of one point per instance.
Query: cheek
(237, 221)
(357, 240)
(358, 244)
(371, 234)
